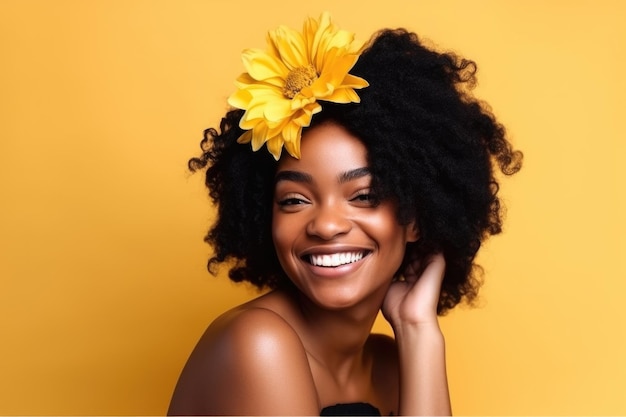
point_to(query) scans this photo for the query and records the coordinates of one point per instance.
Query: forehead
(327, 148)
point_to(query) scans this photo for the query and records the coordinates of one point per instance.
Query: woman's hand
(414, 299)
(411, 307)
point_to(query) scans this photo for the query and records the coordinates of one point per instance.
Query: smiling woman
(380, 203)
(333, 238)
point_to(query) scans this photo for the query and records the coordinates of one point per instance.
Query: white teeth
(336, 259)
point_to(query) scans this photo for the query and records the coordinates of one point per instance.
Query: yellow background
(103, 288)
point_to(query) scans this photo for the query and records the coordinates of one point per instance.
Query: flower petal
(354, 82)
(290, 46)
(275, 146)
(304, 116)
(262, 66)
(293, 146)
(291, 132)
(246, 137)
(240, 99)
(259, 136)
(337, 67)
(277, 110)
(343, 95)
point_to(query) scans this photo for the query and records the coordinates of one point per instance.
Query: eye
(362, 197)
(292, 202)
(365, 198)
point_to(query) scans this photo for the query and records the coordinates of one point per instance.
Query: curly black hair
(431, 145)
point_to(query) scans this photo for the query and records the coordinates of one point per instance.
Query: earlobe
(412, 232)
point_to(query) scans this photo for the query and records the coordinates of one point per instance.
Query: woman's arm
(249, 363)
(411, 308)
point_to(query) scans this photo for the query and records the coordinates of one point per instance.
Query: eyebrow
(354, 174)
(301, 177)
(295, 176)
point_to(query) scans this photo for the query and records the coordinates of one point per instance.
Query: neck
(335, 339)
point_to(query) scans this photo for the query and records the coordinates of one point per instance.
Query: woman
(380, 203)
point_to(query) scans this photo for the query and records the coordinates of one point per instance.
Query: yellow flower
(282, 86)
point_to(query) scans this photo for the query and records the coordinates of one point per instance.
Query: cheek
(284, 238)
(277, 231)
(278, 238)
(386, 226)
(283, 235)
(391, 236)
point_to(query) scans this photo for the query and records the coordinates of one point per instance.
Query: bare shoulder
(249, 361)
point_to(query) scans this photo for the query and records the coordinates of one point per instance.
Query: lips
(331, 260)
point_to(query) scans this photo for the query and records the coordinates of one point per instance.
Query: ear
(412, 232)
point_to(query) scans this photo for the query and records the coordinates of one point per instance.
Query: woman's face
(335, 242)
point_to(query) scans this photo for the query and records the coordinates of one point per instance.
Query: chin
(340, 297)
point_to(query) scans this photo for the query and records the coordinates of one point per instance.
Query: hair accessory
(282, 86)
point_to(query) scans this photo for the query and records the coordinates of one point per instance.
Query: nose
(328, 222)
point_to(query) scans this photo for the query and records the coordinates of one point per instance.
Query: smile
(335, 259)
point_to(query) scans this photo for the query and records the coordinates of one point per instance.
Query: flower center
(297, 79)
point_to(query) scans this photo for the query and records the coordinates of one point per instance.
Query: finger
(434, 264)
(435, 269)
(412, 270)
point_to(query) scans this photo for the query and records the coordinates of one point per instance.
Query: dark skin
(293, 353)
